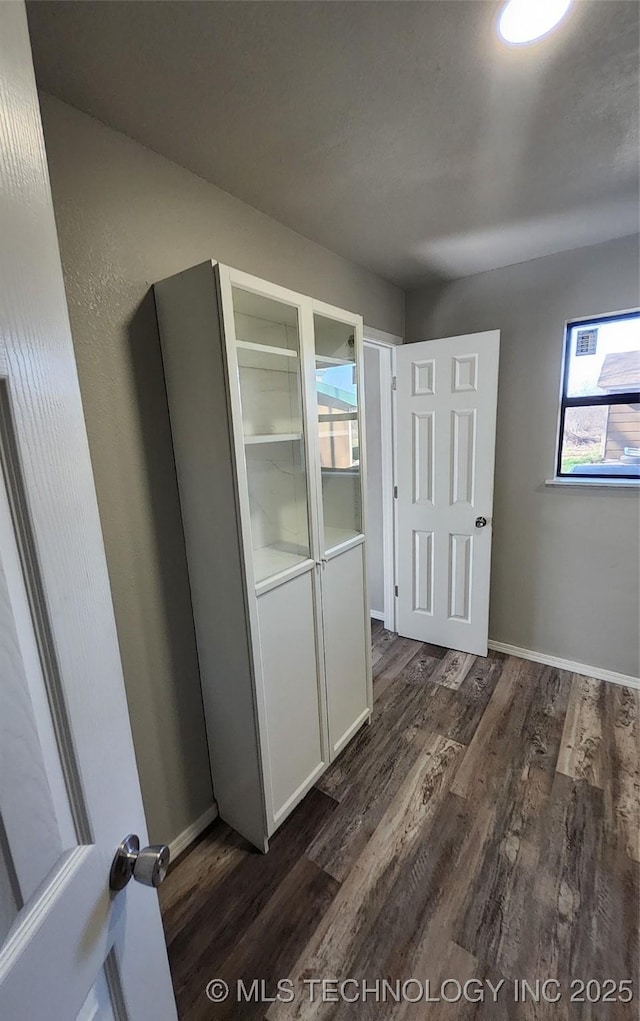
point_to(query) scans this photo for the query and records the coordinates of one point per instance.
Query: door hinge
(395, 492)
(396, 590)
(394, 383)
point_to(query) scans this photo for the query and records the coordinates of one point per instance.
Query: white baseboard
(377, 615)
(566, 664)
(187, 836)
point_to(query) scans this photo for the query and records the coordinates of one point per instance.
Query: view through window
(600, 412)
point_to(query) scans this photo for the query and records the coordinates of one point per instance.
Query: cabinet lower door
(292, 689)
(346, 652)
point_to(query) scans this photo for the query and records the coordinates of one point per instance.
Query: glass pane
(604, 357)
(338, 432)
(602, 440)
(269, 368)
(9, 894)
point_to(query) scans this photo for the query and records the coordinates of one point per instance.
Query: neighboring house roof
(620, 371)
(337, 398)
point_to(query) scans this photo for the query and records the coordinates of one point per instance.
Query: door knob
(481, 522)
(148, 866)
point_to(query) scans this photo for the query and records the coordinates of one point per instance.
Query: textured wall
(565, 570)
(127, 217)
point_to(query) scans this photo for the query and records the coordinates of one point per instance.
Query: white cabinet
(346, 645)
(263, 387)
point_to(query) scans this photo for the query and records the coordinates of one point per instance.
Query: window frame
(609, 400)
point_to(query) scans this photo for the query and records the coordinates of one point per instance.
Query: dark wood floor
(486, 825)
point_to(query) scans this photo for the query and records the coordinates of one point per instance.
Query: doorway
(379, 375)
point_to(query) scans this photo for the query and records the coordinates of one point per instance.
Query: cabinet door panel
(345, 641)
(338, 346)
(290, 672)
(264, 338)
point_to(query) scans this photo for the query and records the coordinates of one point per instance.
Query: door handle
(148, 866)
(481, 522)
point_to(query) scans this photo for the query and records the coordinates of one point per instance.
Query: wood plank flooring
(484, 828)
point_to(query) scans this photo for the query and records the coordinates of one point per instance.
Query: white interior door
(446, 422)
(69, 948)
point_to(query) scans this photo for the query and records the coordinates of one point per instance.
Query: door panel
(287, 620)
(447, 396)
(423, 571)
(57, 882)
(345, 639)
(69, 789)
(463, 456)
(423, 458)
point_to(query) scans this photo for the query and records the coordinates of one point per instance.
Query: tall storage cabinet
(264, 391)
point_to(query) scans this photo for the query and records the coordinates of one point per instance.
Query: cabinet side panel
(195, 374)
(345, 638)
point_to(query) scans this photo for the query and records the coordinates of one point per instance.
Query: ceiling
(402, 135)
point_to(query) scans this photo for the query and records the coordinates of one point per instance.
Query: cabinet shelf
(285, 352)
(272, 438)
(336, 536)
(268, 561)
(265, 356)
(327, 360)
(342, 416)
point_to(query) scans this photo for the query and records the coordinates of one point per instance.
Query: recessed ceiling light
(523, 21)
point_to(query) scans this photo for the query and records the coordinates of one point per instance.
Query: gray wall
(565, 572)
(127, 217)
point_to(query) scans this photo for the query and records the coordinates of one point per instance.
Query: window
(600, 410)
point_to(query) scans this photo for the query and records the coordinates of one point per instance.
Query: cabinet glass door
(338, 433)
(270, 376)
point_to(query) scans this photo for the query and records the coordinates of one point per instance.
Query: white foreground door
(69, 948)
(446, 422)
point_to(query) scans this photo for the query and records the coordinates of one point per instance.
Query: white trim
(380, 337)
(353, 729)
(377, 615)
(322, 308)
(394, 482)
(226, 278)
(387, 372)
(566, 664)
(297, 796)
(386, 365)
(595, 483)
(187, 836)
(601, 315)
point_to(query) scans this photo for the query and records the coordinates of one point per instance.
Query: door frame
(386, 343)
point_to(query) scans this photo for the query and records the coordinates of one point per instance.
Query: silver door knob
(148, 866)
(481, 522)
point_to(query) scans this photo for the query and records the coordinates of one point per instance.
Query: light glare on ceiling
(523, 21)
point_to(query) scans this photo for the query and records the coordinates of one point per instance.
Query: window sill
(594, 483)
